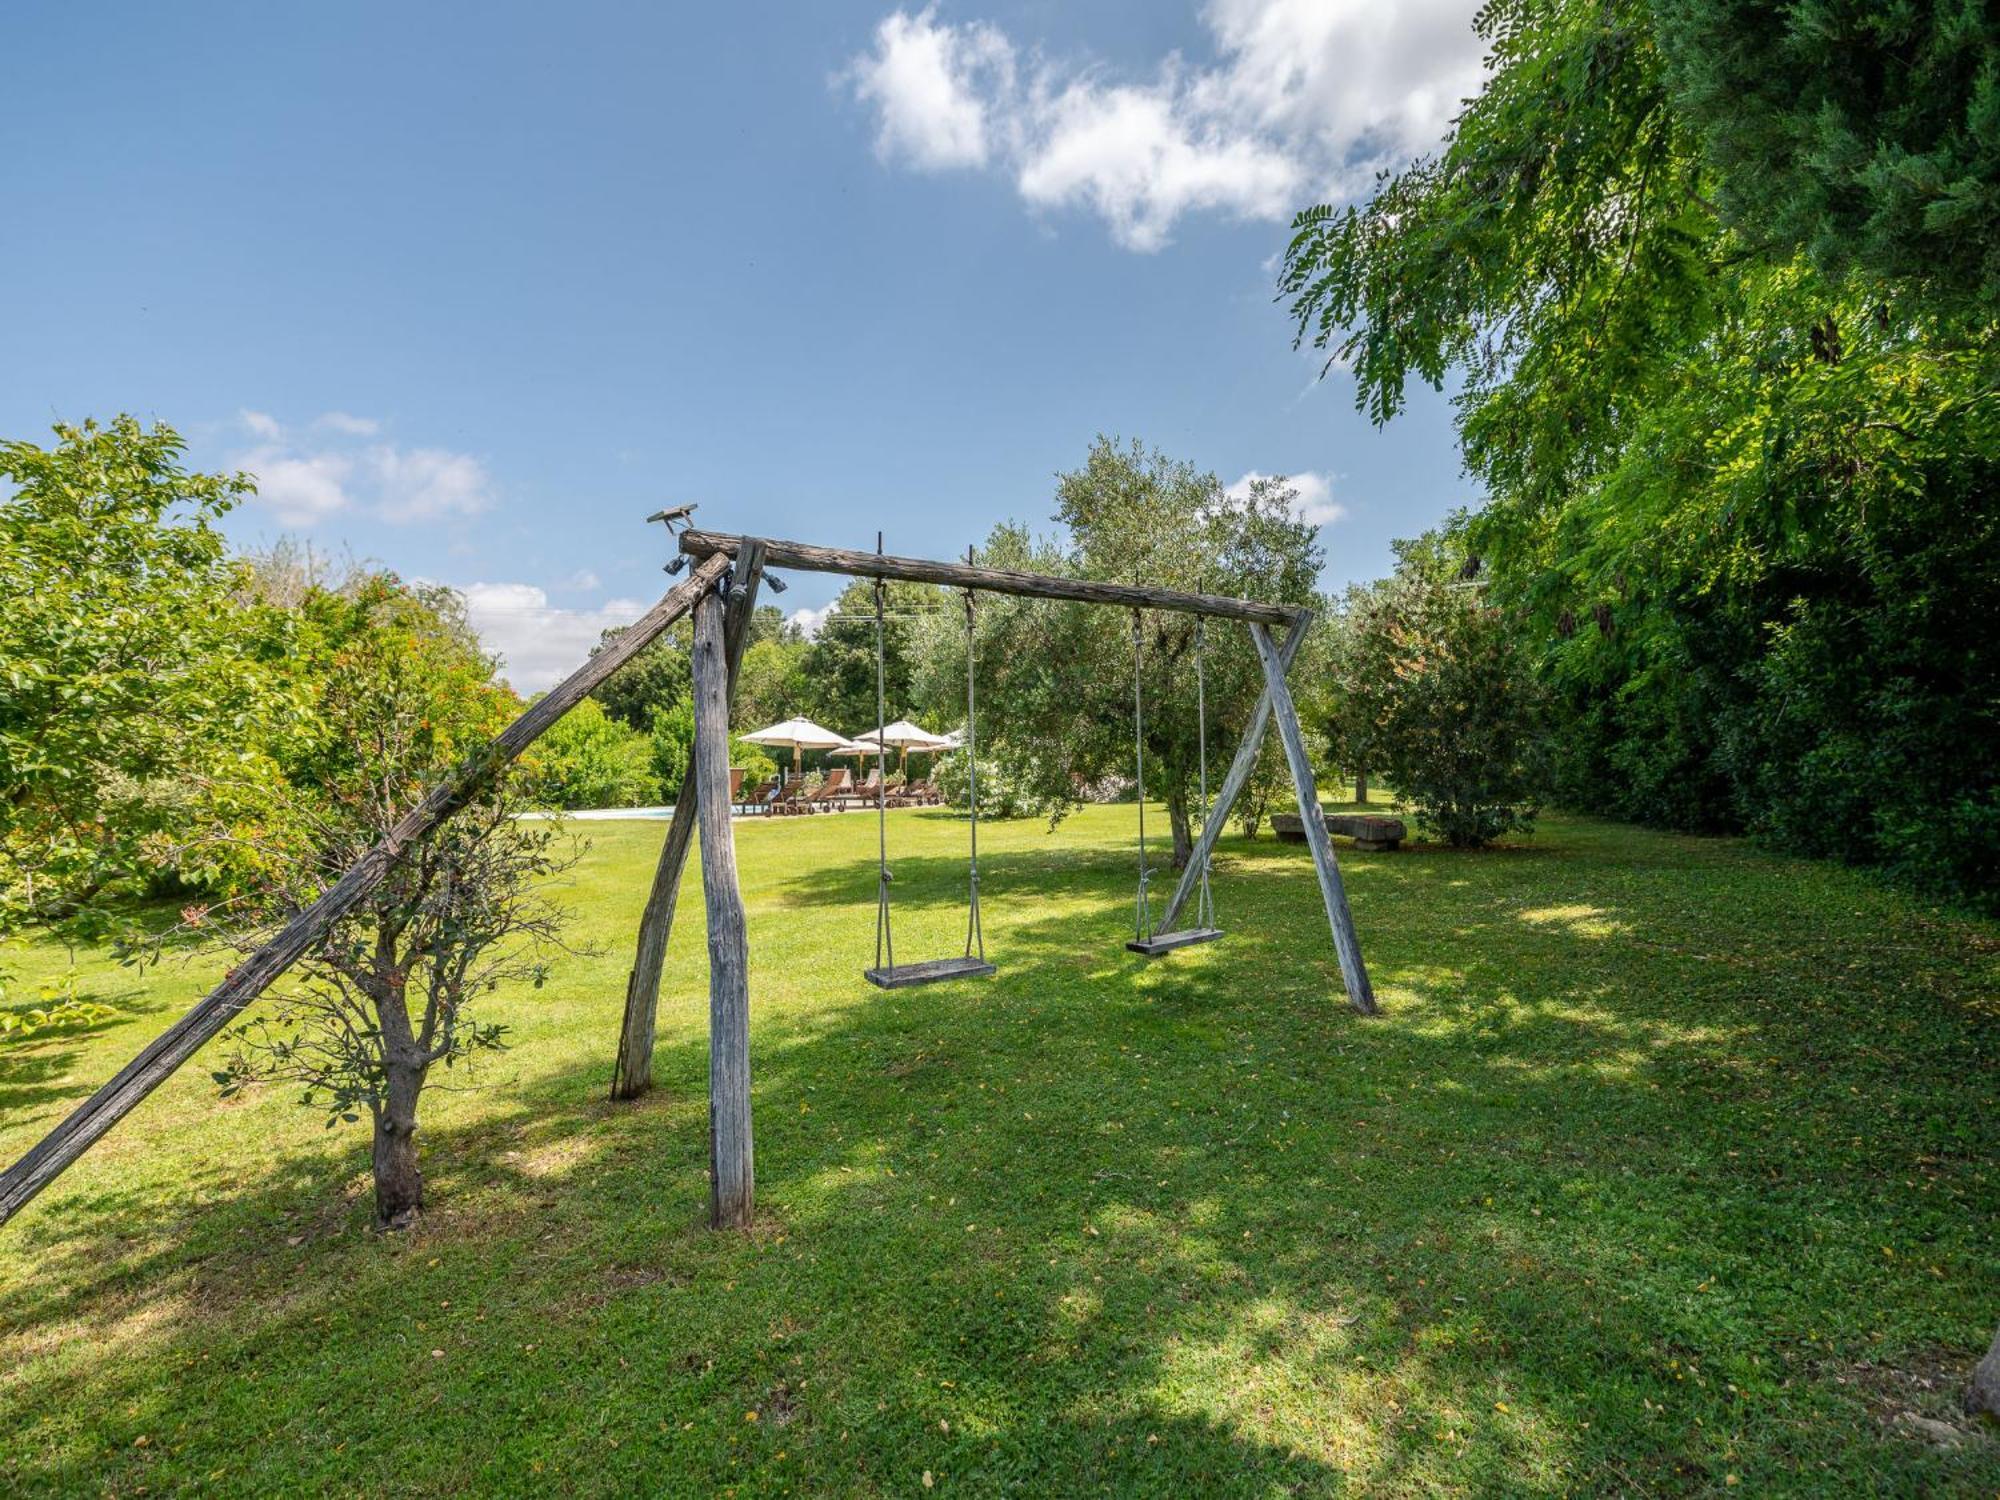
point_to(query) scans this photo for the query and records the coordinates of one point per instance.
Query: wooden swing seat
(932, 971)
(1166, 942)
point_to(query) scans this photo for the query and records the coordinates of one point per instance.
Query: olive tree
(391, 994)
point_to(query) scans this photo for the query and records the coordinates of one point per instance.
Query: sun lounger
(838, 786)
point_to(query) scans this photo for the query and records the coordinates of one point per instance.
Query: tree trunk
(1177, 816)
(1361, 786)
(399, 1180)
(1982, 1398)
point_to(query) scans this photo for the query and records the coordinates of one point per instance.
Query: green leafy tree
(837, 669)
(1453, 707)
(655, 680)
(130, 684)
(673, 746)
(365, 1017)
(771, 683)
(1740, 507)
(1337, 716)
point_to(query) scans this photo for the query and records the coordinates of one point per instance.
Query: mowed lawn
(1669, 1167)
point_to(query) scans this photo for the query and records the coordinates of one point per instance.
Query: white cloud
(1141, 161)
(1305, 100)
(539, 643)
(299, 489)
(582, 579)
(422, 484)
(810, 621)
(929, 85)
(1312, 495)
(305, 476)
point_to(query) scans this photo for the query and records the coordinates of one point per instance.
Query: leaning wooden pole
(1232, 786)
(1345, 943)
(180, 1041)
(633, 1073)
(732, 1190)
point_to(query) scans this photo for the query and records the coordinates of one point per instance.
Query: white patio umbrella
(906, 737)
(797, 735)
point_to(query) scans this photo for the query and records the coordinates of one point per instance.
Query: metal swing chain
(975, 935)
(1205, 908)
(885, 940)
(1143, 910)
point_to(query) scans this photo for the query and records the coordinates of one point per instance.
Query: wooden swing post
(1332, 893)
(632, 1075)
(732, 1192)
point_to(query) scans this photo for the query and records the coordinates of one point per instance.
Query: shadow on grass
(34, 1068)
(1596, 1204)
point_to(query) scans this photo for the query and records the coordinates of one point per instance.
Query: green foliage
(1865, 134)
(836, 671)
(756, 765)
(129, 683)
(1741, 510)
(1449, 693)
(1007, 789)
(60, 1004)
(672, 746)
(1268, 789)
(589, 759)
(653, 681)
(401, 695)
(771, 683)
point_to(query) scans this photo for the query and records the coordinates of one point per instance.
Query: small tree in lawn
(391, 993)
(1441, 686)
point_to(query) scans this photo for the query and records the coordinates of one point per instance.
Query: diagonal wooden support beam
(158, 1060)
(1352, 971)
(633, 1073)
(1232, 784)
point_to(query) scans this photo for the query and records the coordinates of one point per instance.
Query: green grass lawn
(1668, 1167)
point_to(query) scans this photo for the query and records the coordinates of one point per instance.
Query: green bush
(672, 751)
(757, 767)
(1006, 786)
(590, 759)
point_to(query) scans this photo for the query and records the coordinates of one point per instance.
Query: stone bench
(1371, 834)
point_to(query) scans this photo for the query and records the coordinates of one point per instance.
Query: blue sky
(474, 289)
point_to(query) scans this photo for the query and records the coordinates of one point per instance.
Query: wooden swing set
(720, 591)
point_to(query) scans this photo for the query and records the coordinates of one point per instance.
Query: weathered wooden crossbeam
(810, 559)
(180, 1041)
